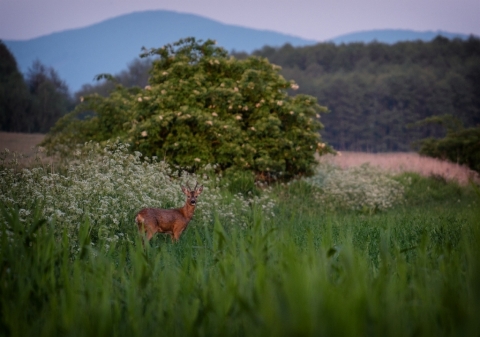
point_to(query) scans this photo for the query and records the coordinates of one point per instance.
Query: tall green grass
(413, 270)
(255, 261)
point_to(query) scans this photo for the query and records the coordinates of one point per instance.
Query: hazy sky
(317, 20)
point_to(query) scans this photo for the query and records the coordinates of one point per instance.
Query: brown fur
(168, 221)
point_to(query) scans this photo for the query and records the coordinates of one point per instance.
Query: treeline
(136, 74)
(376, 91)
(34, 103)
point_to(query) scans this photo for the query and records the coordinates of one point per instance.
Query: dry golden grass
(23, 143)
(23, 147)
(405, 162)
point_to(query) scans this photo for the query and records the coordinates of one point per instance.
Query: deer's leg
(145, 232)
(141, 229)
(177, 234)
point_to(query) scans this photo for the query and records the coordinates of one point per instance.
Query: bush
(361, 188)
(460, 145)
(200, 107)
(421, 190)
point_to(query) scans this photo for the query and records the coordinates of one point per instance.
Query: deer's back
(161, 220)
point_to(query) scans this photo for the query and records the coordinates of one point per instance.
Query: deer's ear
(185, 191)
(199, 190)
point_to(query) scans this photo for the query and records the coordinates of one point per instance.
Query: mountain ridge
(108, 46)
(79, 54)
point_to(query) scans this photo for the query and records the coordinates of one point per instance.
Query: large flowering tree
(202, 106)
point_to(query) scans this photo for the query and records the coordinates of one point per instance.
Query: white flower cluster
(108, 186)
(361, 188)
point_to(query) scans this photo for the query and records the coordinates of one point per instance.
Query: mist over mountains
(107, 47)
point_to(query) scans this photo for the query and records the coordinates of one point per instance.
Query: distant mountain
(392, 36)
(107, 47)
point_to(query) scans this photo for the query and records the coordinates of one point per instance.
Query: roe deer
(169, 221)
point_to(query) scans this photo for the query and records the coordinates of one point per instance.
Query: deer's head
(192, 195)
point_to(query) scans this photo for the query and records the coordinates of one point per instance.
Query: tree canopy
(203, 106)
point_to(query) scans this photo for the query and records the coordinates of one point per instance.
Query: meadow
(351, 251)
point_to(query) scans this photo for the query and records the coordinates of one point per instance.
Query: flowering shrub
(108, 186)
(200, 107)
(361, 188)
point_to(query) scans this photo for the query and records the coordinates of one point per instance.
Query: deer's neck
(188, 211)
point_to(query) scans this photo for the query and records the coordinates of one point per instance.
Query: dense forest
(34, 103)
(376, 91)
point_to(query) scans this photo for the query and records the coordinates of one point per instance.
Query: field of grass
(20, 142)
(274, 261)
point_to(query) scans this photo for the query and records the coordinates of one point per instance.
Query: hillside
(107, 47)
